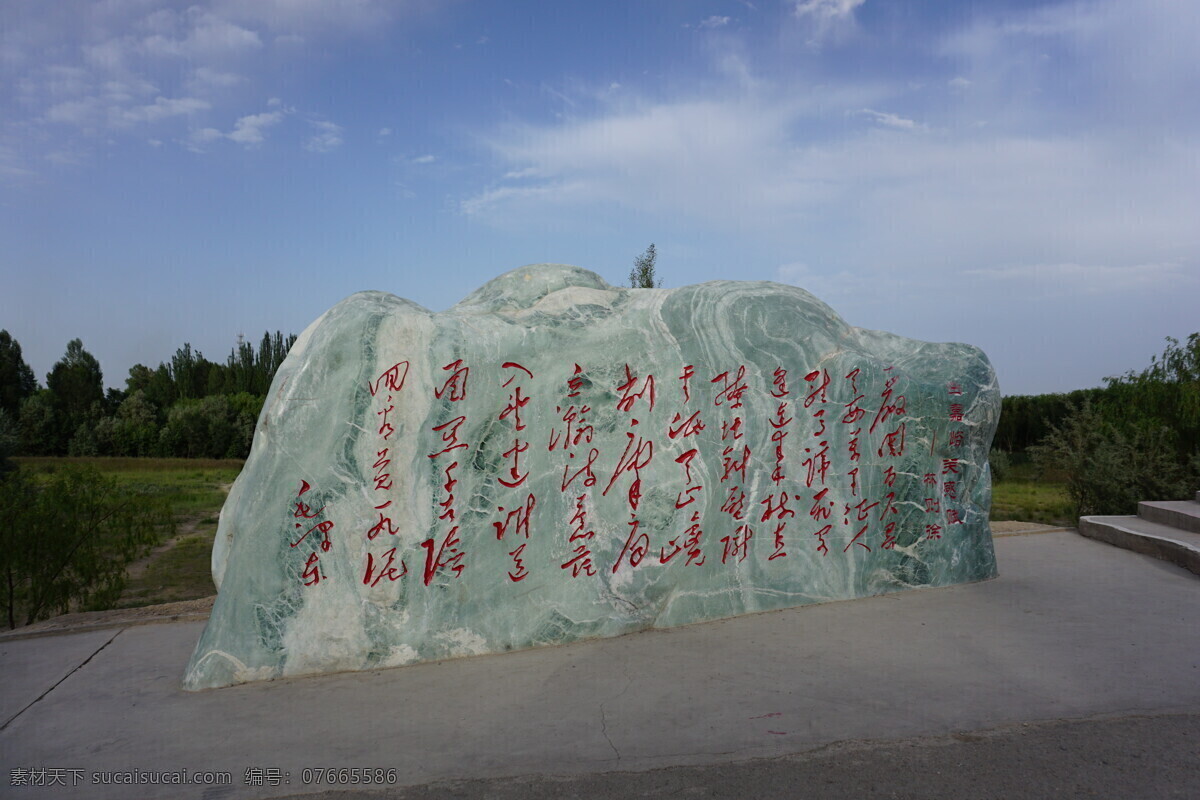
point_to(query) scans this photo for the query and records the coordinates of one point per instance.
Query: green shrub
(1000, 464)
(67, 538)
(1107, 469)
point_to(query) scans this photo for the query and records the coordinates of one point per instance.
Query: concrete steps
(1183, 514)
(1168, 529)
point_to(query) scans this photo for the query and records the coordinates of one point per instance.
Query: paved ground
(1076, 673)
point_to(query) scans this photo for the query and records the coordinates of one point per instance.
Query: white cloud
(66, 158)
(12, 164)
(704, 158)
(206, 79)
(310, 16)
(1073, 279)
(710, 23)
(834, 287)
(826, 10)
(498, 200)
(198, 140)
(249, 129)
(206, 135)
(64, 81)
(1127, 63)
(84, 71)
(127, 91)
(160, 109)
(75, 112)
(203, 35)
(889, 120)
(989, 182)
(384, 132)
(327, 137)
(425, 159)
(870, 199)
(826, 19)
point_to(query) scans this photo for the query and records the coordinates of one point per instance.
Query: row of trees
(187, 407)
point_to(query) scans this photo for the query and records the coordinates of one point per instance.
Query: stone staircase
(1168, 529)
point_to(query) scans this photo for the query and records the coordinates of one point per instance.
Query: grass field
(1027, 496)
(1031, 501)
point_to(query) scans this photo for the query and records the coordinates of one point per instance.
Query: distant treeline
(1025, 420)
(189, 407)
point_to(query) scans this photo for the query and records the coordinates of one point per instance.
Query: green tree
(1108, 469)
(204, 428)
(642, 275)
(245, 409)
(1137, 439)
(16, 378)
(9, 441)
(67, 540)
(38, 427)
(135, 427)
(1165, 394)
(76, 386)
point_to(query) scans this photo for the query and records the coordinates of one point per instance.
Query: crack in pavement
(604, 730)
(604, 716)
(60, 680)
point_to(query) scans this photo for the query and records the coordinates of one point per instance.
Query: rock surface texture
(555, 459)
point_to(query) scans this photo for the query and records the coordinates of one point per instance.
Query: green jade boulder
(555, 459)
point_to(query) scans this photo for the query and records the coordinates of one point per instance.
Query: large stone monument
(555, 459)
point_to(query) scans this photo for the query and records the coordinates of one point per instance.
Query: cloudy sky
(1020, 175)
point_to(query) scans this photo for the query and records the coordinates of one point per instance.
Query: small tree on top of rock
(642, 275)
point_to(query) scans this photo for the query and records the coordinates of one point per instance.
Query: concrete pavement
(1073, 630)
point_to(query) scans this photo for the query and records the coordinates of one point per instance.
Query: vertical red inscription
(575, 433)
(852, 418)
(892, 446)
(679, 427)
(816, 462)
(735, 455)
(951, 466)
(519, 517)
(312, 571)
(385, 389)
(448, 553)
(638, 453)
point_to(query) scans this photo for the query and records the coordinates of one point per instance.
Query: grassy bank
(178, 568)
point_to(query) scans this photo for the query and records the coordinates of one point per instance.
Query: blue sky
(1023, 176)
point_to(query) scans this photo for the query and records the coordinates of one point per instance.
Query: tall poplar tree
(642, 275)
(16, 378)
